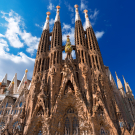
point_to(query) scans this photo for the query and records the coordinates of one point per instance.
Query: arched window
(67, 126)
(75, 126)
(71, 122)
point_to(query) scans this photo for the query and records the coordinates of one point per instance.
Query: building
(67, 97)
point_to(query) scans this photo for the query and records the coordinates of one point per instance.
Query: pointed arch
(69, 86)
(40, 111)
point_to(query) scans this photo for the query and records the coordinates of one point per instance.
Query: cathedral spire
(88, 24)
(127, 87)
(77, 16)
(120, 87)
(118, 82)
(57, 18)
(4, 80)
(46, 26)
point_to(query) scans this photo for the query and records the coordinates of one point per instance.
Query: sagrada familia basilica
(67, 97)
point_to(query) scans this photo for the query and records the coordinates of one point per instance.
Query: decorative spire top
(88, 24)
(46, 26)
(77, 16)
(57, 18)
(26, 70)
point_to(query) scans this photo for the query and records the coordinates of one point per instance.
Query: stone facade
(67, 97)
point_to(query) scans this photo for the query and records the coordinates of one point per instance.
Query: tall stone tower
(72, 96)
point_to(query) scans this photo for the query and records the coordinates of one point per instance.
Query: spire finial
(88, 24)
(57, 18)
(46, 26)
(77, 17)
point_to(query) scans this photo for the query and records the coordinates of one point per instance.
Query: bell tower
(54, 78)
(36, 101)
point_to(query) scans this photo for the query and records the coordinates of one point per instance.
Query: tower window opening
(77, 77)
(48, 63)
(79, 56)
(54, 58)
(97, 62)
(82, 57)
(49, 47)
(89, 60)
(86, 57)
(58, 57)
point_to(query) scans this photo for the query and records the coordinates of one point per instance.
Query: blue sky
(21, 24)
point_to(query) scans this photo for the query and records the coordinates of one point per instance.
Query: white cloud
(17, 37)
(51, 6)
(83, 5)
(66, 26)
(94, 16)
(69, 32)
(51, 22)
(11, 64)
(3, 46)
(1, 35)
(99, 34)
(13, 28)
(31, 41)
(16, 34)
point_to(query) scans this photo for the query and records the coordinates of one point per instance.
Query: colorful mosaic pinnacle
(68, 48)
